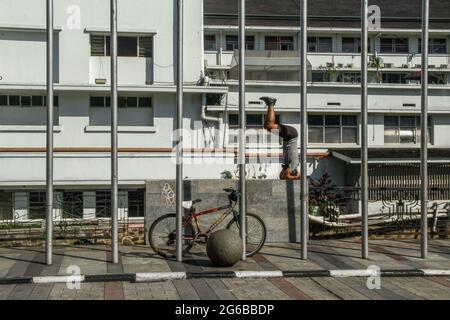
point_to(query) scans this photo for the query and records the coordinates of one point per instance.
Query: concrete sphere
(224, 248)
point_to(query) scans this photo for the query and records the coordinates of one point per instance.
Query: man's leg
(293, 156)
(271, 117)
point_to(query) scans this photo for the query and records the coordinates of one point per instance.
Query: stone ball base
(224, 248)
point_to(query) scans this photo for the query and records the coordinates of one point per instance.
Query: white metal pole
(364, 132)
(242, 124)
(179, 127)
(50, 103)
(304, 216)
(424, 131)
(114, 136)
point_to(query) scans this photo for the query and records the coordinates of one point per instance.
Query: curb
(167, 276)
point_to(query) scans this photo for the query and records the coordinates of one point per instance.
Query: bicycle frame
(195, 215)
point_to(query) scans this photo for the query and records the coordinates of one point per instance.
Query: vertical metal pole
(364, 132)
(242, 124)
(304, 216)
(179, 128)
(114, 136)
(424, 131)
(49, 178)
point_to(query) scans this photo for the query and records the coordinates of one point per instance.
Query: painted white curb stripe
(431, 272)
(58, 279)
(160, 276)
(258, 274)
(165, 276)
(353, 273)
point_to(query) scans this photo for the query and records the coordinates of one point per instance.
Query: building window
(26, 101)
(352, 45)
(283, 43)
(133, 111)
(393, 78)
(232, 43)
(123, 102)
(3, 100)
(210, 42)
(320, 76)
(103, 204)
(145, 47)
(255, 126)
(126, 46)
(435, 46)
(6, 206)
(332, 129)
(37, 205)
(394, 45)
(320, 44)
(136, 203)
(349, 77)
(72, 205)
(404, 130)
(436, 78)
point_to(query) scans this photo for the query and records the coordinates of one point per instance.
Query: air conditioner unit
(444, 66)
(349, 65)
(418, 66)
(100, 81)
(340, 65)
(388, 65)
(330, 65)
(432, 66)
(405, 66)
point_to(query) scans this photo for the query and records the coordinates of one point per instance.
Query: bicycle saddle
(190, 203)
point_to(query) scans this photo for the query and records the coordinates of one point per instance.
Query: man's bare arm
(289, 176)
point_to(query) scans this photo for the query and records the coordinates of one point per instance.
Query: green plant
(322, 201)
(376, 62)
(227, 175)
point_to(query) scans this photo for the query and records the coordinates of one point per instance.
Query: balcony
(437, 62)
(268, 65)
(389, 61)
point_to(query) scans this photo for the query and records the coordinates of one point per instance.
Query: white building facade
(147, 95)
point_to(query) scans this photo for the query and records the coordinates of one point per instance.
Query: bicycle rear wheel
(162, 236)
(256, 233)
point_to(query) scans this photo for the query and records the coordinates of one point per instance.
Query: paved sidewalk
(323, 255)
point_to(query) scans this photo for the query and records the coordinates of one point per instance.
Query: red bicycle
(162, 233)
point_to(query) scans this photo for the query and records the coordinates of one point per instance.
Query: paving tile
(313, 289)
(340, 289)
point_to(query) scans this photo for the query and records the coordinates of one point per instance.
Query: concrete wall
(276, 202)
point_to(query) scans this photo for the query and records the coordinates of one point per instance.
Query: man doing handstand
(290, 142)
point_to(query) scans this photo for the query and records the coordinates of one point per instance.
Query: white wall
(22, 54)
(22, 57)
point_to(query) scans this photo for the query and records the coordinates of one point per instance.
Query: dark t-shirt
(287, 132)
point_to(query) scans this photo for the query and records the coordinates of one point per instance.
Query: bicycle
(162, 233)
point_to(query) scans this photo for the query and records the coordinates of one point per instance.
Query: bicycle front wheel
(256, 233)
(162, 236)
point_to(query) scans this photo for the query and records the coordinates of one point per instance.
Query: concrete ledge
(167, 276)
